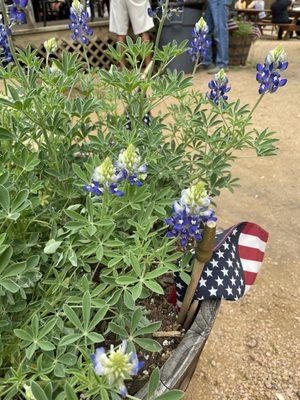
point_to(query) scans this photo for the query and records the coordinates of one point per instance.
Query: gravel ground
(253, 351)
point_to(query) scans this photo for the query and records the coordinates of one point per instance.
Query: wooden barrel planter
(178, 370)
(239, 47)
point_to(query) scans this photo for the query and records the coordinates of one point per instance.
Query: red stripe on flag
(249, 277)
(255, 230)
(251, 253)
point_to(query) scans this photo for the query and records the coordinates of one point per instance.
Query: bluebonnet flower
(6, 56)
(218, 88)
(15, 15)
(50, 45)
(268, 75)
(105, 178)
(190, 214)
(116, 366)
(78, 23)
(200, 42)
(129, 164)
(16, 11)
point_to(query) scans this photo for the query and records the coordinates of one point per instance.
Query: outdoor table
(250, 12)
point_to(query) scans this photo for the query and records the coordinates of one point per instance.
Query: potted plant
(85, 263)
(240, 41)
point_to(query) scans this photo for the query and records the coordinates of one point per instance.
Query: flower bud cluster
(78, 23)
(108, 176)
(117, 365)
(218, 88)
(190, 214)
(200, 41)
(268, 75)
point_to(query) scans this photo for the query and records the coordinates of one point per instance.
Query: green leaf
(95, 337)
(148, 329)
(135, 319)
(72, 316)
(46, 345)
(9, 285)
(68, 359)
(5, 258)
(128, 300)
(154, 286)
(37, 391)
(69, 339)
(148, 344)
(100, 314)
(51, 246)
(47, 328)
(126, 280)
(171, 395)
(78, 171)
(4, 198)
(153, 383)
(70, 393)
(30, 350)
(19, 199)
(137, 290)
(59, 370)
(156, 273)
(24, 335)
(86, 309)
(118, 330)
(14, 269)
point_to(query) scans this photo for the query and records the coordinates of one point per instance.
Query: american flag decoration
(232, 270)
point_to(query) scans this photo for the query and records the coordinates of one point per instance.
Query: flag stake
(203, 253)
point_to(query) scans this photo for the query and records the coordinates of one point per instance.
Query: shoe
(215, 70)
(206, 66)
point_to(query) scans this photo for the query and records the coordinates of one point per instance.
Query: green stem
(256, 104)
(86, 58)
(11, 44)
(196, 64)
(159, 31)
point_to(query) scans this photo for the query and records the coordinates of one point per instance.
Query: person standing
(216, 17)
(280, 15)
(135, 11)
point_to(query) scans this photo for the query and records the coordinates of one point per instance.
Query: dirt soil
(253, 352)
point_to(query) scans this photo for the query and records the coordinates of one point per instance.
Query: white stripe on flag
(247, 288)
(250, 266)
(252, 241)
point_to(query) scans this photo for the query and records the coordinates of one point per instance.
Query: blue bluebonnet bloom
(190, 214)
(16, 11)
(218, 88)
(268, 75)
(78, 23)
(200, 42)
(116, 366)
(5, 53)
(129, 164)
(15, 15)
(153, 12)
(105, 178)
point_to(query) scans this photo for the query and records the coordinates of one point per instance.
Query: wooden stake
(203, 253)
(191, 314)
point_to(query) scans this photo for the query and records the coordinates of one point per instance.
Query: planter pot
(180, 29)
(178, 370)
(239, 47)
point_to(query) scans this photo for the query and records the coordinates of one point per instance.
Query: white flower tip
(211, 224)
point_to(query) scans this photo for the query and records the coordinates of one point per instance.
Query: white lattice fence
(95, 51)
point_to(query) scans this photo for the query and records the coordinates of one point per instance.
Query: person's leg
(222, 36)
(119, 21)
(208, 16)
(280, 33)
